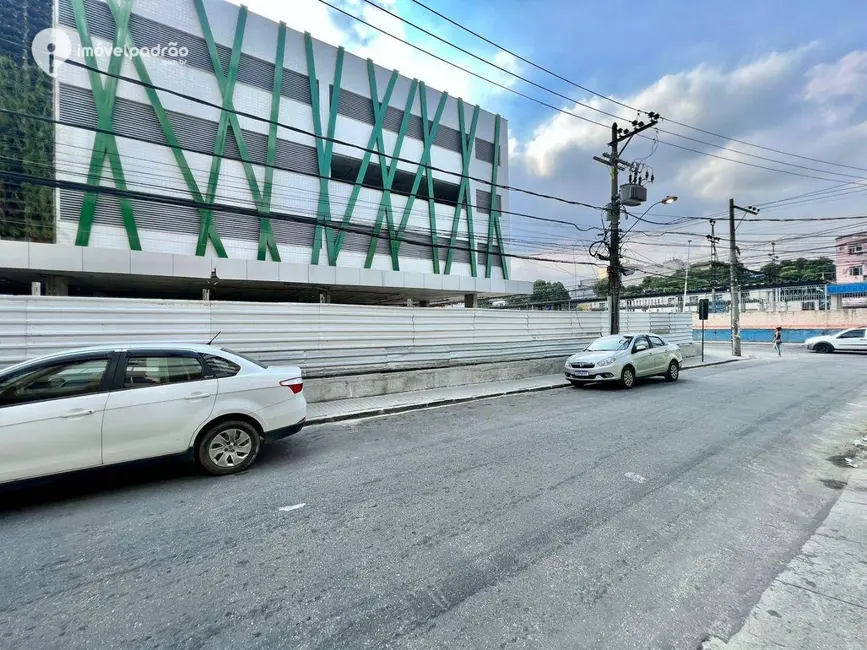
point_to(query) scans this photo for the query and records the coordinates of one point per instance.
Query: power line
(585, 119)
(296, 129)
(202, 205)
(226, 157)
(620, 103)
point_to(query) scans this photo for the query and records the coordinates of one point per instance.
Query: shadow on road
(176, 471)
(614, 387)
(103, 480)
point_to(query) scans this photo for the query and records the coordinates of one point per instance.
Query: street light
(668, 200)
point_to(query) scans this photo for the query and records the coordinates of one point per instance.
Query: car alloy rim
(230, 448)
(673, 371)
(628, 378)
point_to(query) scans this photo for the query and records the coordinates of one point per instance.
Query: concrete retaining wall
(797, 326)
(324, 389)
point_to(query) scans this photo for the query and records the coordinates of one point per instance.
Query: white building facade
(214, 133)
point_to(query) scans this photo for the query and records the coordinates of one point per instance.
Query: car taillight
(295, 385)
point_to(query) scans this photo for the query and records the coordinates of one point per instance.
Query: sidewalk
(820, 598)
(346, 409)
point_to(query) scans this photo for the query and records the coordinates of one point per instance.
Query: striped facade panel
(358, 107)
(135, 120)
(290, 230)
(148, 33)
(483, 201)
(485, 151)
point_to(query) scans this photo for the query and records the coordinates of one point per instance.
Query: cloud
(800, 100)
(844, 78)
(366, 41)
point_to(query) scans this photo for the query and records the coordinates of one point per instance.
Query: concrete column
(409, 302)
(836, 302)
(35, 288)
(206, 294)
(56, 286)
(471, 301)
(324, 296)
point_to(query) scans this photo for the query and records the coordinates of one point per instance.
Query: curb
(388, 410)
(403, 408)
(708, 364)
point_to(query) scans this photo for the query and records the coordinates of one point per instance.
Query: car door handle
(194, 396)
(79, 413)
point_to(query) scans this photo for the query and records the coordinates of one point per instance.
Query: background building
(851, 257)
(197, 186)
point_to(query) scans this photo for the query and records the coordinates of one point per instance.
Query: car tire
(673, 371)
(824, 348)
(228, 448)
(627, 377)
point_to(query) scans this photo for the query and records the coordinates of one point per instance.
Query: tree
(27, 145)
(553, 292)
(544, 293)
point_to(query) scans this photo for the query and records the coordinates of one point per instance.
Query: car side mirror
(640, 347)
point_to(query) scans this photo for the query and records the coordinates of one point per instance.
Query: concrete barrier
(370, 384)
(324, 389)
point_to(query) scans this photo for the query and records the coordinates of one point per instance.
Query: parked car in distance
(624, 358)
(114, 404)
(851, 339)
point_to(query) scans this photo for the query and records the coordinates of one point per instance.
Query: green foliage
(801, 269)
(27, 145)
(706, 275)
(553, 293)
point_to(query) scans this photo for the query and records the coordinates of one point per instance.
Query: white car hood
(594, 357)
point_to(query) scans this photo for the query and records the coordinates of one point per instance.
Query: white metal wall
(314, 336)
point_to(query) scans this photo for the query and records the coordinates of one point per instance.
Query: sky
(790, 76)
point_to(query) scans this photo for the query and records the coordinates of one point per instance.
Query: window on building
(855, 249)
(856, 270)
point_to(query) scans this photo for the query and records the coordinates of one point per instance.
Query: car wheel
(627, 377)
(824, 348)
(228, 447)
(673, 371)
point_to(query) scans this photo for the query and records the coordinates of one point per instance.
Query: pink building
(851, 257)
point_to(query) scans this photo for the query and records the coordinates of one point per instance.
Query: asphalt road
(572, 518)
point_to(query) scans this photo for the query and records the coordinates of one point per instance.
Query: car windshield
(245, 357)
(609, 344)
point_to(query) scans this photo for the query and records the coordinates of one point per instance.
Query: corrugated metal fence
(318, 337)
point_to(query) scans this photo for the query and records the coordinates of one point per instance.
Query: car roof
(121, 347)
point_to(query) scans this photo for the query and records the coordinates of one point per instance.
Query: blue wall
(762, 335)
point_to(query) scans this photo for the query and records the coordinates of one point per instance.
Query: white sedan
(624, 358)
(852, 339)
(113, 404)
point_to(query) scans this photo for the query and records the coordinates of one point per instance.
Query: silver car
(624, 358)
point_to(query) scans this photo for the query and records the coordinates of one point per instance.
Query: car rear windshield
(609, 344)
(245, 357)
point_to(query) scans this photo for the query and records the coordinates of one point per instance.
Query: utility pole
(714, 240)
(734, 289)
(686, 275)
(614, 219)
(612, 160)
